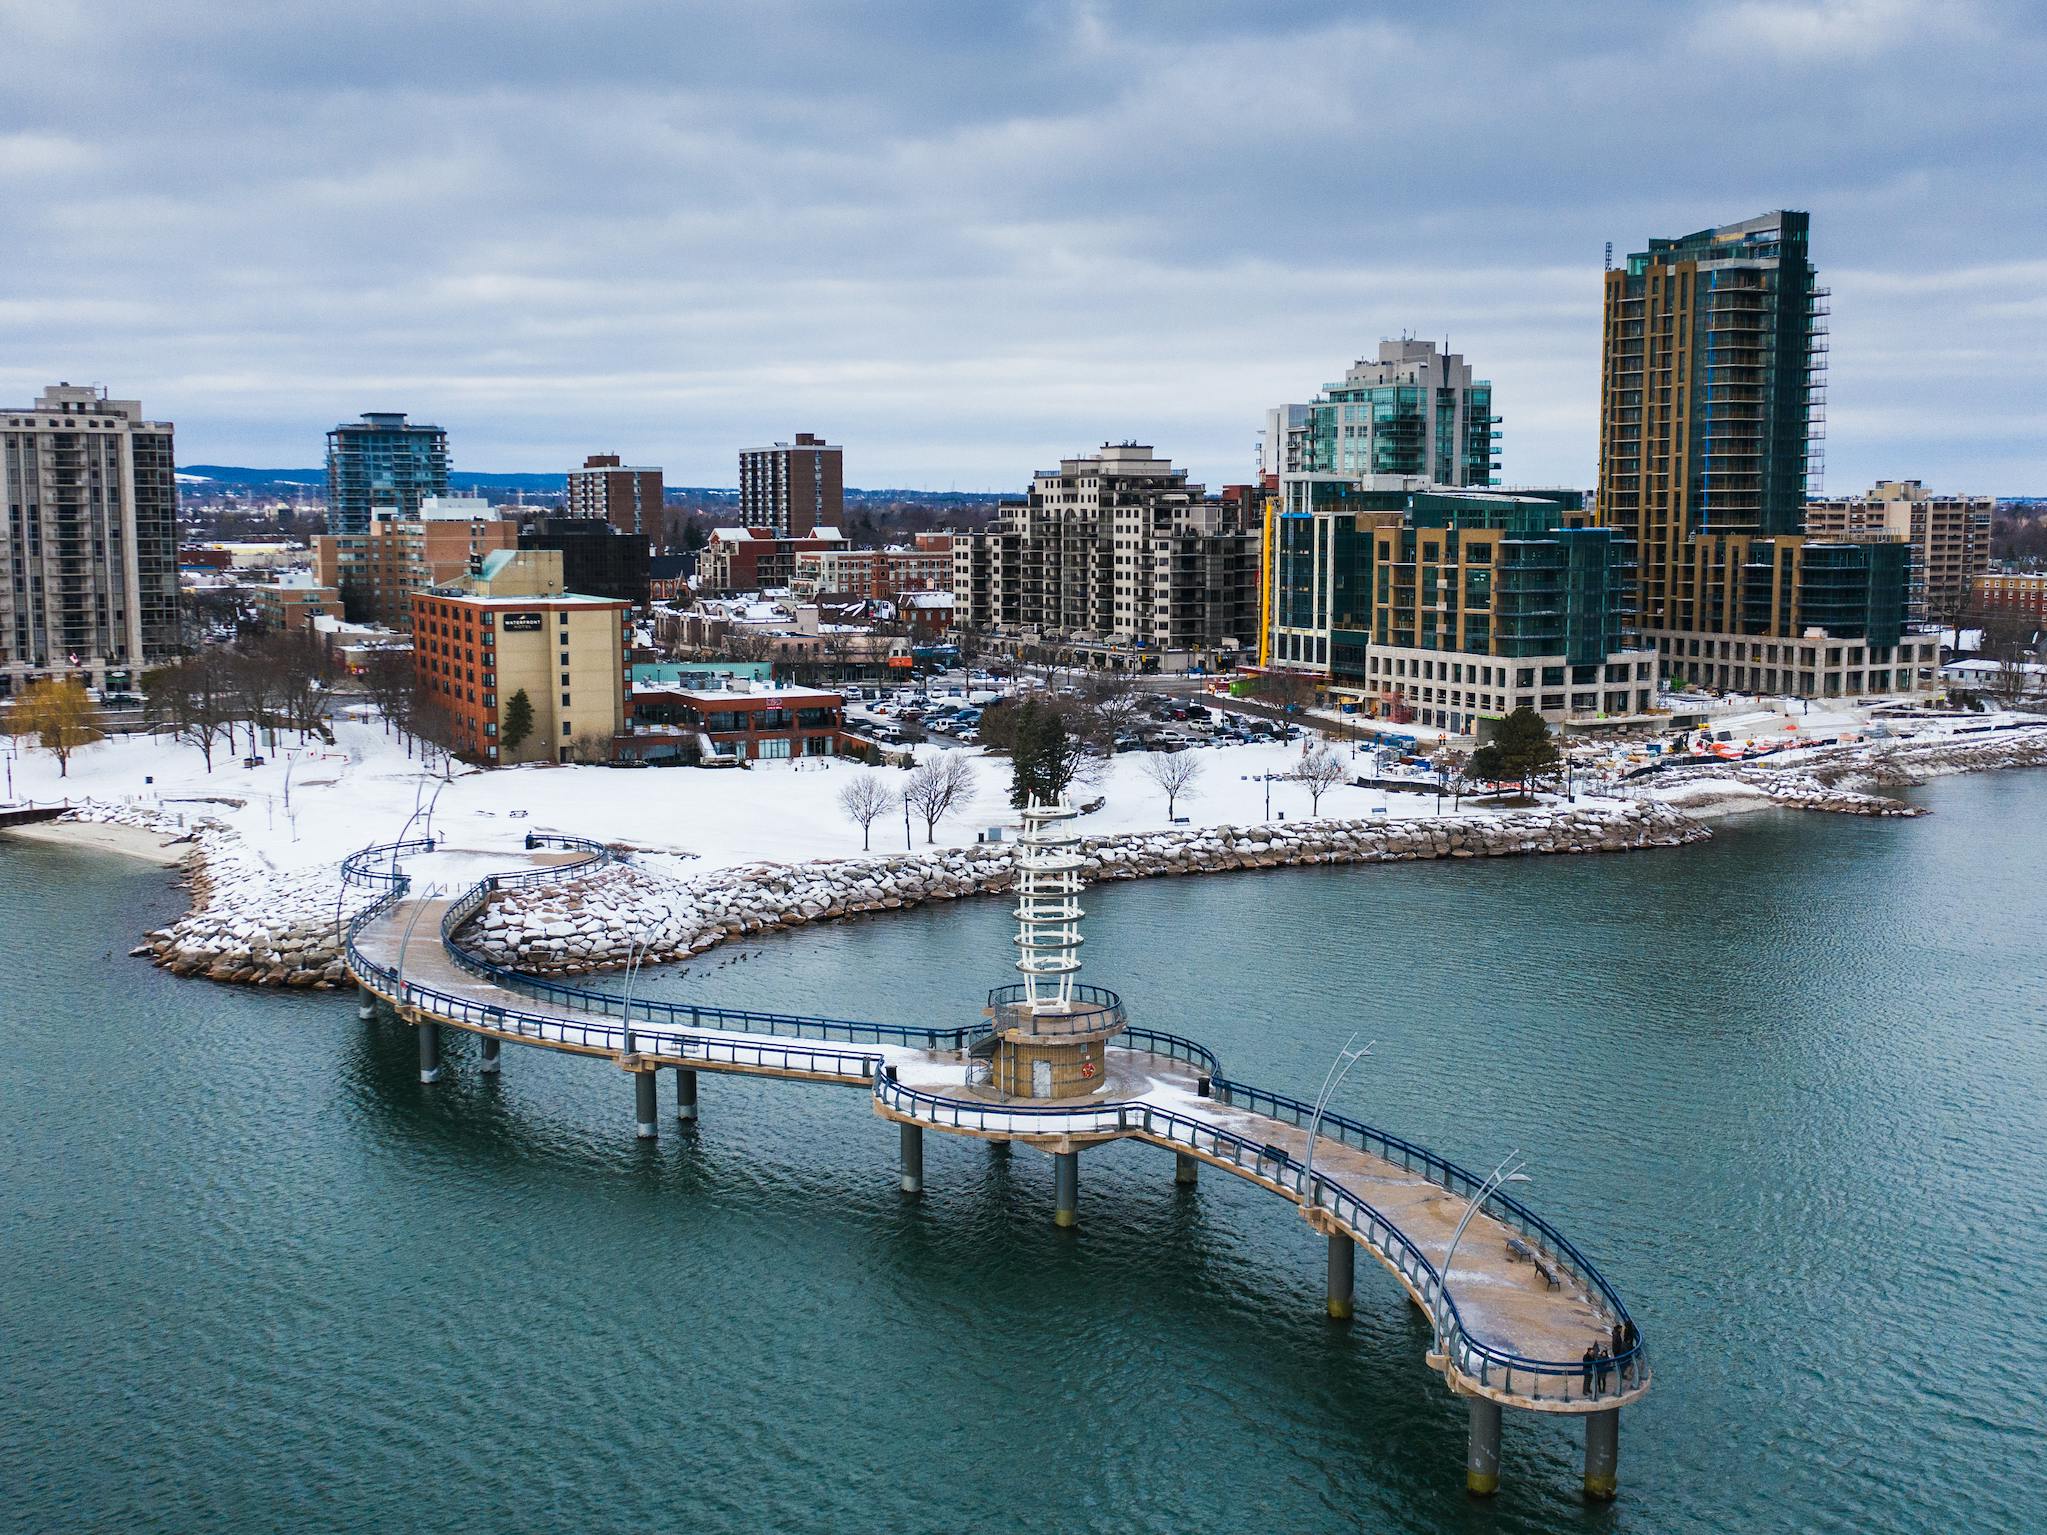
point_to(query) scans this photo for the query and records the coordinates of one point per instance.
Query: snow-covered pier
(1519, 1317)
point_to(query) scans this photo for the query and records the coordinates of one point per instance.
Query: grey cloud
(966, 238)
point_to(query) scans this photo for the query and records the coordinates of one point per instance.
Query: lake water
(1787, 1089)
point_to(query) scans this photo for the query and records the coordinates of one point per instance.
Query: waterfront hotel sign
(521, 623)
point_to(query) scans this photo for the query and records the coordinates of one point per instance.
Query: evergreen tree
(518, 722)
(1042, 755)
(1525, 750)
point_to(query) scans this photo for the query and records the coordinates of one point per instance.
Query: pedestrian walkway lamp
(404, 943)
(1509, 1171)
(639, 946)
(1331, 1080)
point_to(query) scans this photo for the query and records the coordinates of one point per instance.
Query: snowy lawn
(364, 789)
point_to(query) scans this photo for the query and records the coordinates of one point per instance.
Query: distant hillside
(239, 477)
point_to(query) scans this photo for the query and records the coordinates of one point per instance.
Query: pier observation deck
(1519, 1317)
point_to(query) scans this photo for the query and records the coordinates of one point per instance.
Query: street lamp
(1331, 1080)
(1509, 1171)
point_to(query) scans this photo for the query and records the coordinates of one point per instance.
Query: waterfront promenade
(1510, 1327)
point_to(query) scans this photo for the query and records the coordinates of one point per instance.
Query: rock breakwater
(593, 922)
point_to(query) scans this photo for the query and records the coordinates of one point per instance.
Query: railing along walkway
(1504, 1331)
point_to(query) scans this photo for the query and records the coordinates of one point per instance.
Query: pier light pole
(435, 800)
(1331, 1080)
(429, 1031)
(1509, 1171)
(1342, 1252)
(645, 1121)
(1482, 1450)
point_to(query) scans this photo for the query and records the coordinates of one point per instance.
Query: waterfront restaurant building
(746, 723)
(482, 639)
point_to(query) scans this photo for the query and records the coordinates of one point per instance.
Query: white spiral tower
(1048, 910)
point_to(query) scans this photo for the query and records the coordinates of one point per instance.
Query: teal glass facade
(382, 463)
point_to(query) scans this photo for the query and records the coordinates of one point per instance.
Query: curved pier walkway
(1511, 1328)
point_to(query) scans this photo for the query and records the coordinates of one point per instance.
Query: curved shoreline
(248, 924)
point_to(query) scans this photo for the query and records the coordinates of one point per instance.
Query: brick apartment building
(630, 498)
(2007, 594)
(925, 566)
(292, 606)
(751, 559)
(1948, 536)
(480, 640)
(377, 570)
(793, 488)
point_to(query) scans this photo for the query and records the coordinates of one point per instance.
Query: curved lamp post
(1509, 1171)
(633, 966)
(1331, 1080)
(419, 910)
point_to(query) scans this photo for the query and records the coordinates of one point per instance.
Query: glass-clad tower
(1412, 411)
(1714, 356)
(382, 465)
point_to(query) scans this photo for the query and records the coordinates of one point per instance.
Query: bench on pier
(1520, 1251)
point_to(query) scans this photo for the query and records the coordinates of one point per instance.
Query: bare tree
(251, 686)
(865, 799)
(189, 698)
(2007, 641)
(742, 643)
(1288, 691)
(1318, 772)
(387, 676)
(1174, 773)
(835, 643)
(433, 726)
(934, 787)
(304, 672)
(1106, 708)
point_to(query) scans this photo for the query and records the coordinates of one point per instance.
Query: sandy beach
(127, 840)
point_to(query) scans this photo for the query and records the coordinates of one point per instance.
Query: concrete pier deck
(1518, 1312)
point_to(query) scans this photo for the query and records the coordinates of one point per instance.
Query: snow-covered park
(312, 804)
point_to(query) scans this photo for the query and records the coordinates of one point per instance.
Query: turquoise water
(1787, 1089)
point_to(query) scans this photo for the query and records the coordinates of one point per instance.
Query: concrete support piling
(685, 1094)
(1186, 1168)
(913, 1159)
(645, 1121)
(491, 1047)
(1482, 1457)
(1065, 1188)
(365, 1007)
(1603, 1454)
(429, 1051)
(1342, 1276)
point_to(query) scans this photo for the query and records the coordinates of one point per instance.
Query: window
(565, 730)
(565, 700)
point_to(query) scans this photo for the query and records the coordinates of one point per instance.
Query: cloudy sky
(966, 239)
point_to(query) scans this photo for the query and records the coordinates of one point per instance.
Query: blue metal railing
(848, 1065)
(1100, 1009)
(1490, 1365)
(360, 867)
(1437, 1169)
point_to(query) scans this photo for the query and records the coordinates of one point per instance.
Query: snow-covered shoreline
(146, 843)
(597, 921)
(717, 854)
